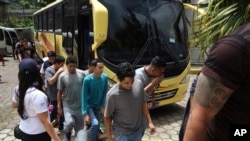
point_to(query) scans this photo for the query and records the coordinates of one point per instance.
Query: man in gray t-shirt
(51, 76)
(124, 106)
(151, 76)
(69, 87)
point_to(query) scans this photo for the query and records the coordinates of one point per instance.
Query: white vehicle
(13, 38)
(7, 37)
(3, 49)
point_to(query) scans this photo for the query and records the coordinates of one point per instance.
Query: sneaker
(101, 131)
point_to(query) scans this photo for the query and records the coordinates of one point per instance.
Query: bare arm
(148, 117)
(149, 87)
(48, 126)
(153, 83)
(107, 122)
(209, 98)
(59, 102)
(20, 57)
(53, 79)
(42, 76)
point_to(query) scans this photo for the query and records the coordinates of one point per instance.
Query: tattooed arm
(209, 98)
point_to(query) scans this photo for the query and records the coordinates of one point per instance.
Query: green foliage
(20, 21)
(17, 22)
(25, 4)
(221, 18)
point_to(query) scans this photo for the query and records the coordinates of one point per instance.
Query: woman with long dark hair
(32, 104)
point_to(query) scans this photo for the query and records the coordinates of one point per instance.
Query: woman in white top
(32, 104)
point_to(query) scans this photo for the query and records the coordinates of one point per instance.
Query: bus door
(68, 29)
(85, 36)
(68, 35)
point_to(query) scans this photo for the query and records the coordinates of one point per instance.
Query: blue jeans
(137, 136)
(95, 116)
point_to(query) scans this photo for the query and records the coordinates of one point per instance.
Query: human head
(157, 67)
(39, 62)
(51, 55)
(28, 76)
(28, 65)
(59, 61)
(98, 67)
(21, 41)
(25, 43)
(125, 74)
(91, 66)
(71, 63)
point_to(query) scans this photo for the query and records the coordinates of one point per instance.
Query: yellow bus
(116, 31)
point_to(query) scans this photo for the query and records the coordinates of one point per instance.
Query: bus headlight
(185, 79)
(111, 83)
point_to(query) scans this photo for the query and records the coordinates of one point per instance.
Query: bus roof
(49, 6)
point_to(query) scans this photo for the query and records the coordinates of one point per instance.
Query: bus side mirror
(100, 23)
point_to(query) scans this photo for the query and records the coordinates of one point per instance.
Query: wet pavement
(167, 119)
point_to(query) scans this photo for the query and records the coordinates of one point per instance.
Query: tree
(15, 20)
(220, 18)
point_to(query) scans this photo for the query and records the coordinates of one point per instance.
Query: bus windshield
(140, 30)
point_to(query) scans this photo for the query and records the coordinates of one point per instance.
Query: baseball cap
(29, 65)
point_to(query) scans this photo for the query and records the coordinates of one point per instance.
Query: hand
(61, 69)
(56, 139)
(152, 128)
(110, 139)
(86, 119)
(157, 80)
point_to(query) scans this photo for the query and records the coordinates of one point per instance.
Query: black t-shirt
(18, 46)
(228, 63)
(27, 52)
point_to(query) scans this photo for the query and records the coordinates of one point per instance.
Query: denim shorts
(136, 136)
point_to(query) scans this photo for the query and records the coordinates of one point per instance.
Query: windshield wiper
(153, 35)
(145, 46)
(163, 46)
